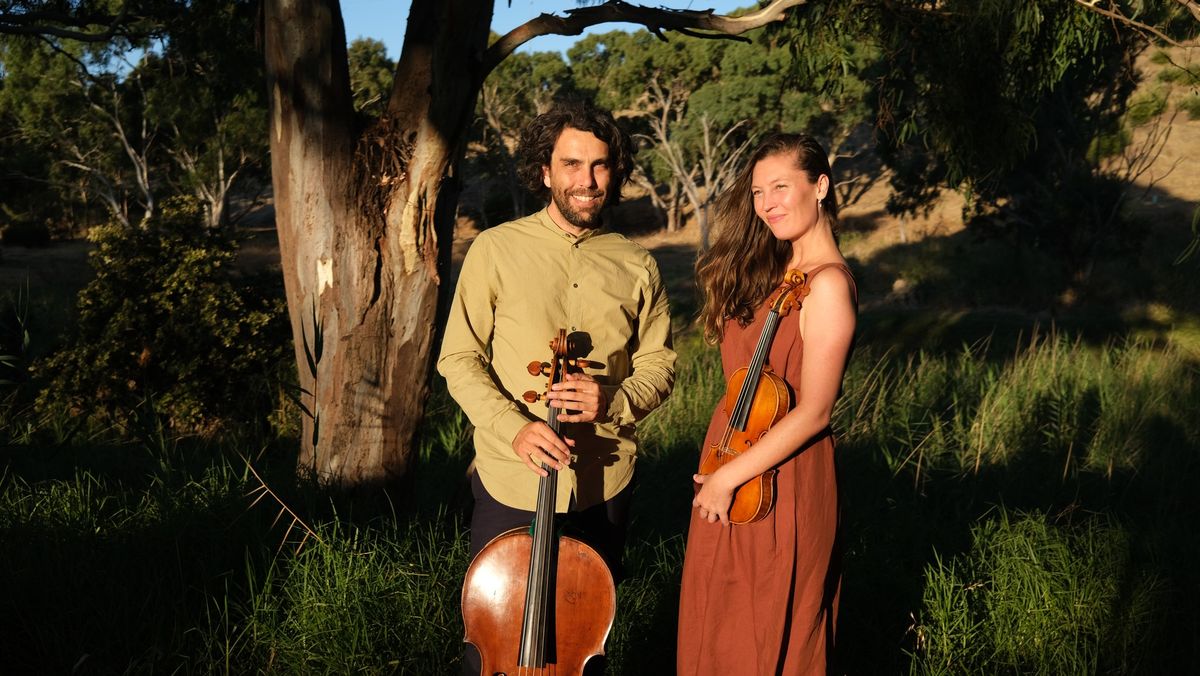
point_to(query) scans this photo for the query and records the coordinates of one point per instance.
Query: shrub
(1191, 105)
(1146, 107)
(1179, 75)
(164, 325)
(1108, 144)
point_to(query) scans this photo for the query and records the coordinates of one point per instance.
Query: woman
(761, 598)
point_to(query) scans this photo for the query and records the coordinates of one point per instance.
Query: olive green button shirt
(520, 283)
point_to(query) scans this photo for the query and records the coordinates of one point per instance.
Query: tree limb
(1191, 6)
(1094, 6)
(65, 25)
(695, 23)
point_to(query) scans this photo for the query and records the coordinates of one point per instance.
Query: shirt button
(575, 285)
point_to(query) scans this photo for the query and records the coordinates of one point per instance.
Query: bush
(1109, 144)
(1191, 105)
(1146, 107)
(1179, 75)
(164, 325)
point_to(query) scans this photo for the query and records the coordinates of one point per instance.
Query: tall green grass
(1031, 597)
(1024, 512)
(1086, 408)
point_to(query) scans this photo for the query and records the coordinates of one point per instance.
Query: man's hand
(536, 444)
(581, 393)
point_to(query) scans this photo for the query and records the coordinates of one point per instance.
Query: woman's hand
(714, 498)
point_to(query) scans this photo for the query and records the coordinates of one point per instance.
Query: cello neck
(537, 622)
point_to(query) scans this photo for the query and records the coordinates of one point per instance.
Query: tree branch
(695, 23)
(1094, 6)
(64, 25)
(1191, 6)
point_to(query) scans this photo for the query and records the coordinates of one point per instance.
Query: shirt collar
(544, 220)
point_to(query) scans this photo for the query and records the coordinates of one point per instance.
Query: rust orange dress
(761, 598)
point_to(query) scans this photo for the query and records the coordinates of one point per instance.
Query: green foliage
(364, 597)
(100, 132)
(1003, 103)
(1035, 598)
(1180, 75)
(164, 324)
(1072, 406)
(157, 541)
(1110, 143)
(1191, 104)
(1145, 107)
(371, 75)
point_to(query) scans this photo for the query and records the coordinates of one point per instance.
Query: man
(520, 283)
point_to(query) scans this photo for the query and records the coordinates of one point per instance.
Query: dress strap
(805, 286)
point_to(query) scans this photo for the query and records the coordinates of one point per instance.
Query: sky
(385, 19)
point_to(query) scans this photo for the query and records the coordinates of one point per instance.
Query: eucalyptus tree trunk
(365, 222)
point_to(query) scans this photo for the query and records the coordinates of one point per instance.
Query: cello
(755, 399)
(559, 587)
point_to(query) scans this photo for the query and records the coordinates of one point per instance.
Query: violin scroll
(785, 299)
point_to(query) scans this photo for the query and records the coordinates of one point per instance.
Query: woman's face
(784, 198)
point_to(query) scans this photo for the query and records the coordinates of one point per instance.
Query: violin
(755, 399)
(559, 588)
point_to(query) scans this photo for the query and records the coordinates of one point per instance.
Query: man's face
(578, 178)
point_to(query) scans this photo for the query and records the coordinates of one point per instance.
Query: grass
(1191, 105)
(1146, 106)
(1003, 508)
(1034, 597)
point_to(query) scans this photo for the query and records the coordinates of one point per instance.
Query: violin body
(493, 605)
(755, 399)
(771, 401)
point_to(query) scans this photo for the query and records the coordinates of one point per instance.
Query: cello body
(494, 602)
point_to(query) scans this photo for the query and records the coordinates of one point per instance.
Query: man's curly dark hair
(540, 135)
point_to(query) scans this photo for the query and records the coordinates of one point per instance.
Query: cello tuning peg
(538, 368)
(531, 397)
(585, 363)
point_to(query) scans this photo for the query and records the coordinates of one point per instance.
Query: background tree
(186, 118)
(1011, 109)
(370, 75)
(521, 87)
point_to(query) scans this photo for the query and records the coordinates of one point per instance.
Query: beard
(580, 216)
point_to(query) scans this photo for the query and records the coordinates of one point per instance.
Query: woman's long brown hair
(747, 263)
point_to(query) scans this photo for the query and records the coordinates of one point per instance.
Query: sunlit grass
(1011, 505)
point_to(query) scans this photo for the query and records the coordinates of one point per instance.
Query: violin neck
(741, 409)
(542, 564)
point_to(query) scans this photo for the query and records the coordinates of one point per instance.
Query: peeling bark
(360, 225)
